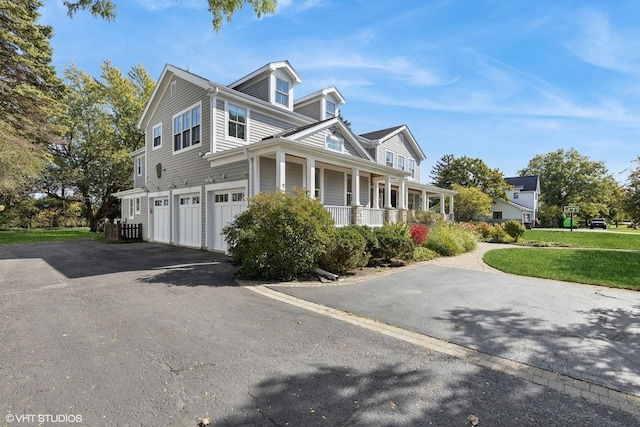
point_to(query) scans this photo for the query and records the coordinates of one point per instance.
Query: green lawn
(41, 235)
(617, 269)
(584, 239)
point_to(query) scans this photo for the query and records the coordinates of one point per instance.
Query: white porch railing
(373, 217)
(341, 215)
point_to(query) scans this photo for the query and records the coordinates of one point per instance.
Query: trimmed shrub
(418, 234)
(280, 236)
(369, 236)
(394, 242)
(345, 252)
(514, 229)
(420, 253)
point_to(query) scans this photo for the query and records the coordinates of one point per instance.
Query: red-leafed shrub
(419, 234)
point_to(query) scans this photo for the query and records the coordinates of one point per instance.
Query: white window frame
(516, 194)
(282, 95)
(348, 186)
(188, 130)
(329, 113)
(139, 166)
(401, 165)
(228, 121)
(137, 203)
(131, 208)
(157, 127)
(334, 139)
(411, 167)
(386, 158)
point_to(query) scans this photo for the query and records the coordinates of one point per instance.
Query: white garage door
(189, 220)
(160, 219)
(227, 204)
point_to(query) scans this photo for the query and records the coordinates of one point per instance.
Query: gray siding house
(211, 147)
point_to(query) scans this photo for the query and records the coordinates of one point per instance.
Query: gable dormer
(272, 83)
(321, 105)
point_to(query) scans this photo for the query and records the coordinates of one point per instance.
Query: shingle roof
(528, 183)
(372, 136)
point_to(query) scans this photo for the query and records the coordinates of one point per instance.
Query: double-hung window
(157, 136)
(388, 158)
(139, 166)
(412, 167)
(186, 128)
(400, 162)
(331, 110)
(334, 143)
(237, 122)
(137, 205)
(282, 92)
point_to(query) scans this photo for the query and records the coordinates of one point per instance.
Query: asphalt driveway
(149, 335)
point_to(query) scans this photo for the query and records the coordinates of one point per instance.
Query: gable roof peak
(268, 69)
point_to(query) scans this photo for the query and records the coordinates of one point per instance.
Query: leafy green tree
(569, 178)
(93, 161)
(470, 203)
(632, 199)
(29, 95)
(468, 172)
(220, 9)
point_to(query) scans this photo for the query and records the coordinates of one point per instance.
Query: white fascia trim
(128, 193)
(320, 93)
(243, 183)
(270, 67)
(138, 152)
(158, 194)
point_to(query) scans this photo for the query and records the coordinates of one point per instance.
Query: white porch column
(355, 181)
(280, 170)
(442, 211)
(311, 177)
(451, 204)
(402, 194)
(376, 194)
(387, 192)
(254, 176)
(425, 201)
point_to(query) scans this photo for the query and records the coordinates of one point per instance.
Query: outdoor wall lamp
(173, 184)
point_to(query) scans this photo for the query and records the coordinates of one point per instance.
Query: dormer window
(282, 92)
(330, 110)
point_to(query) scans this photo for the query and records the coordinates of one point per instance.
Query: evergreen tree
(29, 95)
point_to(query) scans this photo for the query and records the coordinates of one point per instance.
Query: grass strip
(43, 235)
(617, 269)
(586, 239)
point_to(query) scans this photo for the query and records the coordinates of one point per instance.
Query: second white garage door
(189, 220)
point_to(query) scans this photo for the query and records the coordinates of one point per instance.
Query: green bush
(345, 252)
(394, 242)
(450, 240)
(420, 253)
(497, 234)
(484, 229)
(369, 236)
(514, 229)
(280, 236)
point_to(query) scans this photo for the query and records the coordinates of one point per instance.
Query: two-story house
(210, 147)
(523, 201)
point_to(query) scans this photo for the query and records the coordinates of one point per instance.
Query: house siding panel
(364, 190)
(396, 145)
(293, 177)
(258, 90)
(263, 126)
(139, 181)
(184, 165)
(267, 175)
(313, 110)
(334, 191)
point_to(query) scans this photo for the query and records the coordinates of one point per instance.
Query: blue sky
(498, 80)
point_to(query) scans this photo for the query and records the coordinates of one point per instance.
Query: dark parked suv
(598, 222)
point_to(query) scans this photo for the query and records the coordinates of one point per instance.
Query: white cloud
(599, 44)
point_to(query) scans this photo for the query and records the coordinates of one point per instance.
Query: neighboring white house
(523, 201)
(209, 147)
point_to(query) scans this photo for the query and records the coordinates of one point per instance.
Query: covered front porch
(352, 189)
